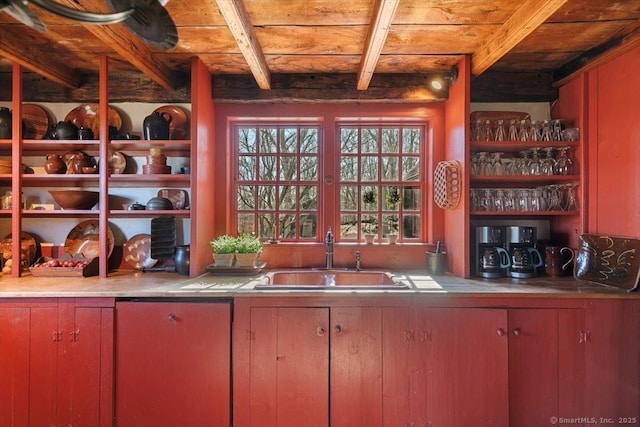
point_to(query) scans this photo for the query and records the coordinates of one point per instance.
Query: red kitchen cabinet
(546, 365)
(57, 359)
(431, 366)
(173, 362)
(613, 360)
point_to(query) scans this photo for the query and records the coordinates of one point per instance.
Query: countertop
(131, 284)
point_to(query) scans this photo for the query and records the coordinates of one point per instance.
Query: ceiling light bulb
(436, 84)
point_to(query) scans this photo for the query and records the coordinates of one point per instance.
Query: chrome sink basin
(328, 279)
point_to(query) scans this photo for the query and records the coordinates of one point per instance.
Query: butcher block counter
(127, 284)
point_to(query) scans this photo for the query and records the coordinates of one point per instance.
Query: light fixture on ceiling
(146, 19)
(440, 81)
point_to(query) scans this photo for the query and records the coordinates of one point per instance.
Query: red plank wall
(612, 144)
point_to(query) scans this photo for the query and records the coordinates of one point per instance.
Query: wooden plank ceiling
(362, 49)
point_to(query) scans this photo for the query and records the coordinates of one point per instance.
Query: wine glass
(523, 133)
(523, 163)
(498, 201)
(534, 164)
(571, 203)
(479, 133)
(501, 133)
(513, 130)
(564, 165)
(546, 131)
(555, 202)
(548, 164)
(497, 165)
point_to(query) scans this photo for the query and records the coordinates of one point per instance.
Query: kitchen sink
(328, 279)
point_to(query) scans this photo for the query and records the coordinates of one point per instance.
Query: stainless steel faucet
(358, 259)
(328, 241)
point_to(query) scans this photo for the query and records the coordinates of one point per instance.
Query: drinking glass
(501, 133)
(564, 165)
(488, 131)
(496, 163)
(513, 131)
(534, 132)
(523, 201)
(479, 133)
(555, 198)
(534, 164)
(548, 164)
(546, 131)
(498, 201)
(523, 133)
(556, 133)
(487, 201)
(509, 200)
(523, 164)
(537, 201)
(571, 203)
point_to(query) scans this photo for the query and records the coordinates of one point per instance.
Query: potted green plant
(369, 198)
(224, 250)
(248, 250)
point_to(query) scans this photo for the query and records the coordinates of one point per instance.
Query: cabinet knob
(172, 317)
(338, 329)
(320, 331)
(517, 331)
(500, 332)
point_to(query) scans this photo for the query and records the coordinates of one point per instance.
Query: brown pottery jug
(53, 164)
(156, 125)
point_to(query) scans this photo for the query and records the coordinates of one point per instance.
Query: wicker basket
(447, 180)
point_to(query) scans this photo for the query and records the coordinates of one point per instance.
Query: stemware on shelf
(498, 201)
(555, 198)
(523, 133)
(548, 164)
(513, 130)
(496, 163)
(534, 164)
(571, 201)
(488, 130)
(501, 132)
(523, 200)
(556, 133)
(564, 165)
(546, 131)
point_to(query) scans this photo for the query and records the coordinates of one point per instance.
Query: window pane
(390, 168)
(288, 140)
(411, 140)
(246, 224)
(267, 168)
(246, 197)
(369, 168)
(411, 199)
(390, 225)
(287, 226)
(411, 226)
(390, 143)
(288, 168)
(309, 140)
(246, 140)
(309, 197)
(247, 168)
(348, 198)
(349, 140)
(411, 169)
(348, 168)
(287, 197)
(369, 224)
(391, 198)
(369, 198)
(369, 140)
(349, 226)
(266, 197)
(308, 226)
(309, 168)
(267, 225)
(268, 140)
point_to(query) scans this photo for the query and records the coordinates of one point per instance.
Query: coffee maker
(523, 256)
(491, 258)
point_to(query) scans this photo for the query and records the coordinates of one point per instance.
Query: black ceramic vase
(156, 126)
(182, 259)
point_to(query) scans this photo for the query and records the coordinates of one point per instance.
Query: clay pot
(76, 160)
(53, 164)
(65, 130)
(156, 125)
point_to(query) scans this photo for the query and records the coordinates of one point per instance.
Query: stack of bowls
(156, 163)
(5, 166)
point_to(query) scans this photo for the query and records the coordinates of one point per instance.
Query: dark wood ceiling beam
(597, 56)
(529, 16)
(327, 88)
(237, 18)
(127, 45)
(14, 49)
(378, 30)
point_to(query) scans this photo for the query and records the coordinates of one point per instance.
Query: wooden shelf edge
(543, 213)
(515, 146)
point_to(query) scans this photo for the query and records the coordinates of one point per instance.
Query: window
(379, 188)
(277, 181)
(380, 183)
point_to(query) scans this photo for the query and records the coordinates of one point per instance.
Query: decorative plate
(28, 248)
(137, 252)
(177, 197)
(84, 239)
(179, 126)
(87, 115)
(117, 162)
(36, 121)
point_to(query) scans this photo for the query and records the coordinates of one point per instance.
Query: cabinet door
(545, 365)
(43, 359)
(85, 374)
(356, 366)
(613, 360)
(15, 324)
(173, 364)
(468, 384)
(289, 367)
